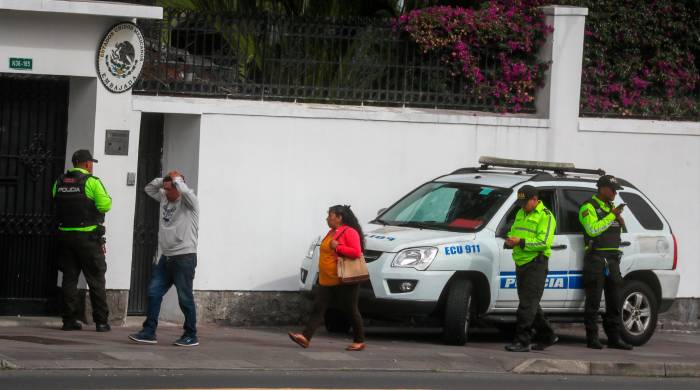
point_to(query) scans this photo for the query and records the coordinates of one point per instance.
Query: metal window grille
(349, 60)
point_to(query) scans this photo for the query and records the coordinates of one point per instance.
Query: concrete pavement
(37, 344)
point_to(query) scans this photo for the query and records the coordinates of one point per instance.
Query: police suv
(438, 255)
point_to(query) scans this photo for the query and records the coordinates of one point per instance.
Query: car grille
(370, 256)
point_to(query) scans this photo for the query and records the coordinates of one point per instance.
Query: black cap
(608, 181)
(82, 155)
(526, 193)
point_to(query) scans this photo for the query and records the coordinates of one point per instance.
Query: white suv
(437, 255)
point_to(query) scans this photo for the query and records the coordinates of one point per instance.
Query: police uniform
(81, 203)
(601, 267)
(536, 232)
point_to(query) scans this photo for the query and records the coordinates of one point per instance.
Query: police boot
(592, 340)
(617, 343)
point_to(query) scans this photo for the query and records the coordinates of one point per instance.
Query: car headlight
(418, 258)
(312, 247)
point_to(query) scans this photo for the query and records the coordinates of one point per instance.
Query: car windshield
(446, 206)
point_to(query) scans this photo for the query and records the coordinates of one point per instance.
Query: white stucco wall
(663, 160)
(268, 172)
(62, 37)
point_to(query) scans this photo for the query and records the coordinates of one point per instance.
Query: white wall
(59, 44)
(268, 172)
(662, 159)
(266, 182)
(181, 146)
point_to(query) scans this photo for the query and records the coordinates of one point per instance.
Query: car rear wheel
(457, 312)
(640, 312)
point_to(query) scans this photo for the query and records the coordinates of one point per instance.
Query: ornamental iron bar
(349, 60)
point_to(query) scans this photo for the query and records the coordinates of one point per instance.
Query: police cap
(526, 193)
(82, 155)
(608, 181)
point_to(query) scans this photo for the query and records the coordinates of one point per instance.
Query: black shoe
(71, 325)
(144, 338)
(594, 344)
(517, 347)
(103, 327)
(619, 344)
(542, 346)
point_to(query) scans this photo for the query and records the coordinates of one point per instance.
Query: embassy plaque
(120, 57)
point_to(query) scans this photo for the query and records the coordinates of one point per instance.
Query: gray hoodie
(179, 220)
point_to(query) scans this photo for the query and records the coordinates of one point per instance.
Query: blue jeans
(177, 270)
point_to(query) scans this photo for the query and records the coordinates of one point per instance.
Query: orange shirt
(327, 263)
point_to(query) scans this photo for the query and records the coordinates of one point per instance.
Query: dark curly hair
(348, 218)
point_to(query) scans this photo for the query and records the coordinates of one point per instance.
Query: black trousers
(347, 295)
(530, 279)
(82, 251)
(594, 283)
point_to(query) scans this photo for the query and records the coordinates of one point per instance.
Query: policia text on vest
(81, 203)
(602, 225)
(531, 238)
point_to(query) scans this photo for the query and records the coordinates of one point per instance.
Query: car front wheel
(457, 312)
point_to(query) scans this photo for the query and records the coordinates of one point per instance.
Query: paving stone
(327, 356)
(553, 366)
(682, 369)
(129, 356)
(628, 369)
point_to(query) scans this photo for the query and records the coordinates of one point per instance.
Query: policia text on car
(602, 225)
(531, 238)
(81, 203)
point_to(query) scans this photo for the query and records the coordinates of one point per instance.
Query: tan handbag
(351, 271)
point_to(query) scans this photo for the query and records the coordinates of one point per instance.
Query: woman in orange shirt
(345, 239)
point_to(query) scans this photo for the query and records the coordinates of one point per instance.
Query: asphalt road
(151, 379)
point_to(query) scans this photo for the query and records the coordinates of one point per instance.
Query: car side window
(570, 202)
(642, 211)
(548, 199)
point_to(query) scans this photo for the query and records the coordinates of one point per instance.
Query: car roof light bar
(530, 165)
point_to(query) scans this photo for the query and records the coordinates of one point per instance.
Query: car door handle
(559, 247)
(625, 243)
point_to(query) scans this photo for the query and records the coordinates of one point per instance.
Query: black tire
(457, 312)
(337, 321)
(640, 312)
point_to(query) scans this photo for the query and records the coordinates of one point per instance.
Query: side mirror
(381, 210)
(502, 232)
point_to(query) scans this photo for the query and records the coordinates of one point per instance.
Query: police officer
(81, 203)
(531, 238)
(602, 224)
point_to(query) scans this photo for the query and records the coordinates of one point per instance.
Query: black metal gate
(33, 119)
(146, 216)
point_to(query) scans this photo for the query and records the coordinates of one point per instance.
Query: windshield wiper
(423, 224)
(379, 221)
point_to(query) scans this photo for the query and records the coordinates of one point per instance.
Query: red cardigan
(349, 244)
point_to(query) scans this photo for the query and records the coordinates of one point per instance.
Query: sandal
(299, 339)
(355, 347)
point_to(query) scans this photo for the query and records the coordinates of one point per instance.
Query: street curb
(7, 365)
(580, 367)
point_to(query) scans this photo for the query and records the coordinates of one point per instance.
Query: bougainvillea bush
(640, 58)
(506, 34)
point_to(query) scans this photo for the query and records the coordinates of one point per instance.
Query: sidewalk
(32, 343)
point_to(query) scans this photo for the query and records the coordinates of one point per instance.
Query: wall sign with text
(120, 57)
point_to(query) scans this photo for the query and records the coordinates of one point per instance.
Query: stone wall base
(684, 314)
(252, 308)
(117, 301)
(272, 308)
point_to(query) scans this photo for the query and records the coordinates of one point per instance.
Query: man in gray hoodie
(176, 257)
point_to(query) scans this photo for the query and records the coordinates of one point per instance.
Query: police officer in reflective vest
(602, 225)
(81, 203)
(531, 238)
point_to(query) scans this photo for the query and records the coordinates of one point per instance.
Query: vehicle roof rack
(529, 166)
